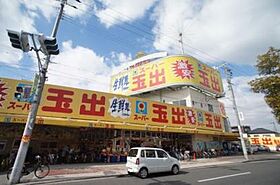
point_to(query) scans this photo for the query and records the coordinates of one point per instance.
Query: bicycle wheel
(9, 173)
(42, 171)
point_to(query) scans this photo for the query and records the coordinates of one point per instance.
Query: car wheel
(175, 170)
(143, 173)
(129, 173)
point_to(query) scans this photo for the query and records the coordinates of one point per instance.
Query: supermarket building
(164, 101)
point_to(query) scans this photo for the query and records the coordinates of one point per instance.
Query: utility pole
(229, 76)
(25, 140)
(181, 42)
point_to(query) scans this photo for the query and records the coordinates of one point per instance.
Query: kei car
(145, 160)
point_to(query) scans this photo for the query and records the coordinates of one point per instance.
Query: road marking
(67, 181)
(222, 177)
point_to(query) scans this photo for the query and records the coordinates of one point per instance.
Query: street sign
(241, 116)
(26, 92)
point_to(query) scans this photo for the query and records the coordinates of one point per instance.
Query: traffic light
(19, 40)
(48, 45)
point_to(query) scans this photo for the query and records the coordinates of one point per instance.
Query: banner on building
(166, 72)
(266, 141)
(78, 104)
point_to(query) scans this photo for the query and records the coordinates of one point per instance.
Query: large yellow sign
(87, 106)
(166, 72)
(271, 141)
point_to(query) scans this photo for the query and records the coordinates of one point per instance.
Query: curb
(44, 181)
(267, 159)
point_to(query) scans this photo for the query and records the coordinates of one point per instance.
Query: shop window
(159, 134)
(210, 108)
(180, 102)
(183, 103)
(176, 102)
(117, 133)
(135, 134)
(127, 133)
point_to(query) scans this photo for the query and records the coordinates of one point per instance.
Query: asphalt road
(264, 172)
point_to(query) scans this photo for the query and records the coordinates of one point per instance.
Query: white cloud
(120, 57)
(116, 12)
(233, 30)
(21, 15)
(12, 18)
(119, 60)
(79, 67)
(49, 8)
(256, 112)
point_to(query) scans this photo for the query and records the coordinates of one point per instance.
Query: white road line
(222, 177)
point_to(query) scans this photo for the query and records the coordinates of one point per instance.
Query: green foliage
(268, 83)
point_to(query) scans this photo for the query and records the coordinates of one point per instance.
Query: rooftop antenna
(181, 42)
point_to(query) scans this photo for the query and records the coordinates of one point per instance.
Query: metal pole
(229, 74)
(25, 140)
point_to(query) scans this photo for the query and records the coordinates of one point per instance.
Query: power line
(166, 36)
(109, 37)
(208, 56)
(69, 75)
(139, 34)
(141, 30)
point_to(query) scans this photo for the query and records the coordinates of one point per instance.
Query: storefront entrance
(59, 145)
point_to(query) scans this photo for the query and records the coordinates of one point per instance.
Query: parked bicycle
(40, 170)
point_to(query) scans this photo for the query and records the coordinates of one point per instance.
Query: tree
(140, 54)
(268, 66)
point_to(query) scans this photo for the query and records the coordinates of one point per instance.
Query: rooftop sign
(167, 72)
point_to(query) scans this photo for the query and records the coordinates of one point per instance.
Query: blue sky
(99, 37)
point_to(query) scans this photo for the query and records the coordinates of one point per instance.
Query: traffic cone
(194, 157)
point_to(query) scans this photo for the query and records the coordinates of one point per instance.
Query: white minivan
(145, 160)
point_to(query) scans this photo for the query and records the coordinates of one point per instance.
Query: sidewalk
(94, 170)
